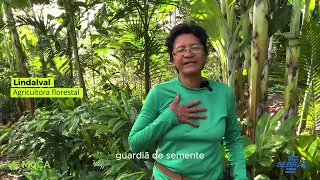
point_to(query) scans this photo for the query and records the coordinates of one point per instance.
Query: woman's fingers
(197, 116)
(193, 110)
(191, 123)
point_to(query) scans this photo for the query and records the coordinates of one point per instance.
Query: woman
(189, 116)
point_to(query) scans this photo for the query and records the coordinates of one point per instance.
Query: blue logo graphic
(292, 164)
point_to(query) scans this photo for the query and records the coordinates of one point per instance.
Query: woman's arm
(150, 126)
(233, 142)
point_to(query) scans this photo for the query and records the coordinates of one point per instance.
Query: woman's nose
(188, 53)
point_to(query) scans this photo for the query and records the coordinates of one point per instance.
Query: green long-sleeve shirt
(157, 123)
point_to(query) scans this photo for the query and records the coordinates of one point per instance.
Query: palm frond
(136, 27)
(309, 59)
(309, 74)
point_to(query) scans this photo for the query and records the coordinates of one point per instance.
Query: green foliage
(209, 17)
(309, 59)
(74, 138)
(309, 73)
(270, 140)
(34, 169)
(3, 168)
(309, 148)
(17, 3)
(274, 143)
(281, 17)
(39, 170)
(276, 88)
(81, 139)
(13, 166)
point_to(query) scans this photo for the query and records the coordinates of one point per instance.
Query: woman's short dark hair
(186, 28)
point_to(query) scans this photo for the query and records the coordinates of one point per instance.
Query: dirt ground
(8, 178)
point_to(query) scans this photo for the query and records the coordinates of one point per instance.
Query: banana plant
(271, 139)
(246, 31)
(259, 55)
(223, 29)
(227, 39)
(231, 39)
(292, 63)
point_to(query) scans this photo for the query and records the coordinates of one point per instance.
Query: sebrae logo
(292, 164)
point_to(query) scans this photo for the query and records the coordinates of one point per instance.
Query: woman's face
(189, 56)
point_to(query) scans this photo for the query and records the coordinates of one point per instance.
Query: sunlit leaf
(281, 17)
(63, 106)
(287, 125)
(207, 14)
(265, 162)
(261, 177)
(118, 125)
(126, 175)
(261, 129)
(275, 142)
(115, 168)
(249, 150)
(103, 162)
(73, 124)
(70, 102)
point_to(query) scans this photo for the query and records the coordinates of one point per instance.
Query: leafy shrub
(81, 140)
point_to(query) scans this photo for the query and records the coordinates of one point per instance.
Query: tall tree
(19, 55)
(69, 13)
(146, 23)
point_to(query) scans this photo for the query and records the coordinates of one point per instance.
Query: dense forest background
(267, 51)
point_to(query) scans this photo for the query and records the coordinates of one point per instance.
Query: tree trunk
(291, 101)
(11, 63)
(69, 54)
(233, 63)
(146, 50)
(259, 54)
(245, 31)
(239, 91)
(72, 33)
(265, 77)
(224, 57)
(20, 56)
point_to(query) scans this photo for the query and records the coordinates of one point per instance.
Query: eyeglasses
(195, 49)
